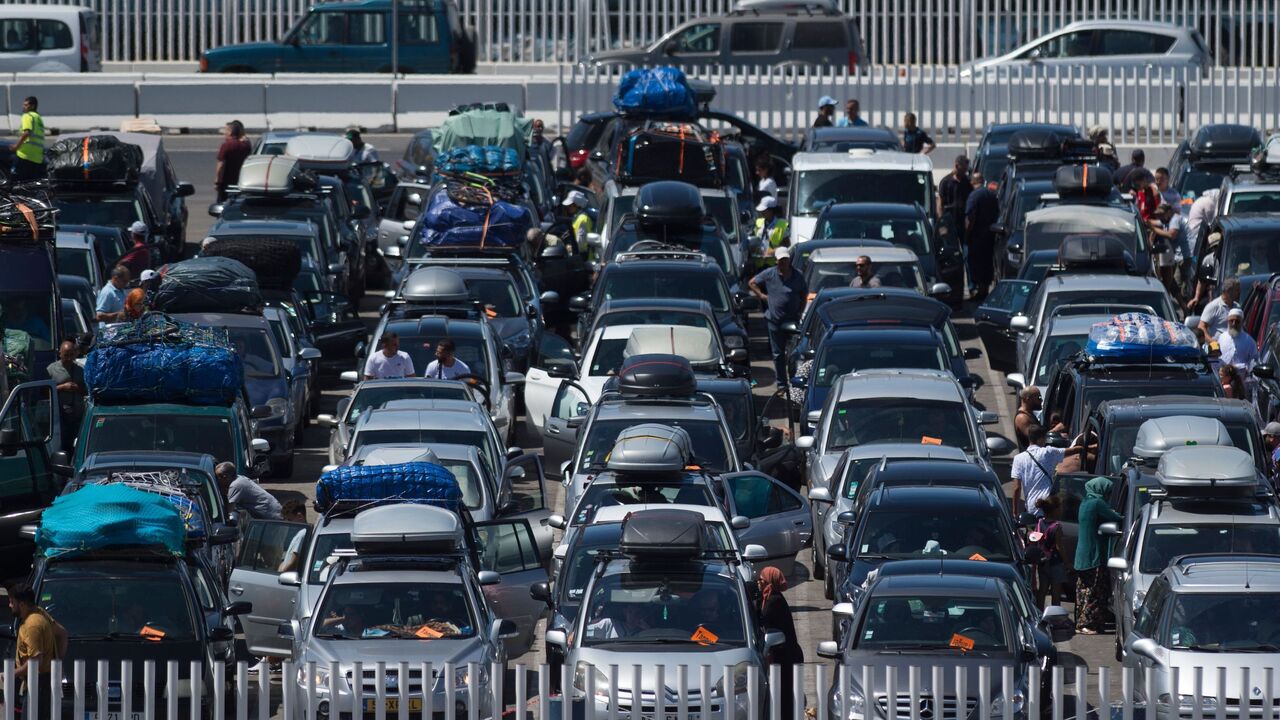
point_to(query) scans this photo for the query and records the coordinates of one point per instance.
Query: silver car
(1213, 612)
(373, 394)
(1107, 44)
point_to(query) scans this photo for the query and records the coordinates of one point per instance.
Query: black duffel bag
(93, 158)
(276, 261)
(208, 284)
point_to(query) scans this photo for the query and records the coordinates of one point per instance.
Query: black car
(1248, 251)
(992, 155)
(340, 246)
(1200, 162)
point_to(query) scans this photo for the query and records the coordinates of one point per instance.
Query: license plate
(112, 715)
(391, 705)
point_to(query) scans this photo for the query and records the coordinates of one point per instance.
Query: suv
(992, 155)
(1246, 250)
(859, 175)
(1201, 162)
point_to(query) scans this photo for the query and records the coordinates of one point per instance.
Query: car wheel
(282, 468)
(828, 589)
(1119, 649)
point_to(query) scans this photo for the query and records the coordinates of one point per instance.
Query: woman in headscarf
(775, 614)
(1093, 584)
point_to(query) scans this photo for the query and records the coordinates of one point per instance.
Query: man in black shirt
(1137, 159)
(914, 139)
(953, 193)
(981, 211)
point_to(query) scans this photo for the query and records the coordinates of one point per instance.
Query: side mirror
(361, 212)
(258, 412)
(326, 420)
(939, 290)
(1109, 530)
(1020, 323)
(336, 268)
(1000, 445)
(739, 522)
(804, 442)
(514, 452)
(749, 303)
(284, 630)
(560, 370)
(409, 225)
(239, 607)
(184, 189)
(289, 579)
(814, 417)
(820, 495)
(576, 421)
(222, 634)
(579, 303)
(972, 353)
(549, 297)
(215, 210)
(507, 629)
(844, 609)
(837, 553)
(670, 47)
(260, 446)
(309, 353)
(848, 517)
(799, 381)
(998, 228)
(328, 468)
(1118, 563)
(737, 355)
(1027, 519)
(790, 328)
(224, 535)
(1058, 621)
(1265, 372)
(774, 638)
(1017, 381)
(541, 592)
(829, 649)
(557, 639)
(986, 417)
(598, 156)
(1146, 648)
(350, 376)
(754, 553)
(593, 239)
(556, 522)
(488, 577)
(513, 378)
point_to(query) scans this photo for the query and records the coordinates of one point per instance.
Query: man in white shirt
(1238, 348)
(1213, 319)
(446, 366)
(1033, 468)
(1202, 213)
(390, 361)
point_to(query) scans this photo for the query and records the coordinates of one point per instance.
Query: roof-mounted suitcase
(662, 91)
(276, 261)
(1035, 144)
(670, 153)
(657, 376)
(208, 284)
(421, 482)
(1225, 141)
(93, 158)
(663, 534)
(1083, 181)
(651, 448)
(669, 202)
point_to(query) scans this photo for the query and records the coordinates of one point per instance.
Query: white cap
(1235, 313)
(575, 197)
(149, 275)
(1214, 238)
(207, 242)
(768, 202)
(782, 252)
(138, 228)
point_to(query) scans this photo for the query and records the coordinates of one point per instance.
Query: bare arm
(26, 135)
(755, 288)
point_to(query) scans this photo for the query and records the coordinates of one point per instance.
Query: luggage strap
(484, 233)
(30, 216)
(84, 158)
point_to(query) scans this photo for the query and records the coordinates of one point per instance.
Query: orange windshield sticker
(703, 636)
(962, 642)
(926, 440)
(428, 633)
(150, 633)
(977, 556)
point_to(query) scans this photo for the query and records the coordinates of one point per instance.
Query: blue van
(355, 37)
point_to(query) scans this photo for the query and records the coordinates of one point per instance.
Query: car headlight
(462, 675)
(580, 679)
(1138, 597)
(854, 709)
(1189, 701)
(321, 677)
(740, 673)
(734, 342)
(1015, 705)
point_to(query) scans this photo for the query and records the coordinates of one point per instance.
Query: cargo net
(152, 480)
(26, 212)
(157, 327)
(479, 175)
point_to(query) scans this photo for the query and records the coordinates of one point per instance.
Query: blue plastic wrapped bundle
(1139, 336)
(410, 482)
(660, 91)
(131, 365)
(484, 160)
(98, 517)
(500, 226)
(192, 515)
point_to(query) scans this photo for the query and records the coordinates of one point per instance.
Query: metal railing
(915, 32)
(821, 691)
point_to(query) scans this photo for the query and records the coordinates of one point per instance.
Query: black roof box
(669, 202)
(662, 535)
(1093, 252)
(656, 376)
(1225, 142)
(1035, 144)
(1088, 181)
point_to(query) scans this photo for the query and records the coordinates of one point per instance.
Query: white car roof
(1139, 25)
(877, 253)
(911, 384)
(863, 159)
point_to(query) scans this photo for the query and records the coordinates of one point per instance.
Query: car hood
(615, 56)
(261, 390)
(648, 658)
(369, 652)
(1236, 665)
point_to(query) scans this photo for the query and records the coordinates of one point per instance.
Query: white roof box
(651, 448)
(316, 150)
(695, 344)
(1207, 470)
(1158, 435)
(406, 529)
(268, 174)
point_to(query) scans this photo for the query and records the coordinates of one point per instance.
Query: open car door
(553, 364)
(339, 332)
(560, 433)
(256, 579)
(1007, 299)
(780, 518)
(523, 494)
(30, 434)
(507, 547)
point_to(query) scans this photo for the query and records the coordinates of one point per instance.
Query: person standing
(1271, 438)
(68, 376)
(1033, 468)
(1102, 146)
(915, 139)
(245, 494)
(111, 297)
(1168, 230)
(1137, 160)
(139, 256)
(538, 142)
(1238, 347)
(389, 361)
(784, 292)
(232, 153)
(1203, 212)
(1167, 193)
(1051, 573)
(28, 152)
(41, 640)
(765, 184)
(771, 230)
(575, 204)
(1093, 583)
(364, 152)
(446, 366)
(1213, 319)
(775, 614)
(1030, 404)
(826, 112)
(852, 115)
(981, 210)
(953, 193)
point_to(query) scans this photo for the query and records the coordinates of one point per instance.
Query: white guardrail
(988, 692)
(1140, 106)
(1238, 32)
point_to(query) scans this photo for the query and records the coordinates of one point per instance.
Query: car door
(555, 361)
(30, 432)
(1007, 299)
(508, 548)
(339, 332)
(318, 45)
(256, 579)
(404, 205)
(366, 49)
(560, 433)
(523, 493)
(781, 520)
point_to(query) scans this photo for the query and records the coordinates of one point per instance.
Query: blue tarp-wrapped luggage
(484, 160)
(155, 359)
(411, 482)
(655, 91)
(1139, 336)
(499, 226)
(98, 517)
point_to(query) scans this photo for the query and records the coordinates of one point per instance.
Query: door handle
(552, 429)
(799, 523)
(236, 590)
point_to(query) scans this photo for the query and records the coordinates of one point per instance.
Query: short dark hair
(237, 128)
(388, 335)
(764, 163)
(446, 345)
(1049, 503)
(1164, 170)
(1138, 155)
(35, 104)
(293, 506)
(1036, 433)
(22, 592)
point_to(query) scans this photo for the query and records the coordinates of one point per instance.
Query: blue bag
(160, 372)
(97, 517)
(500, 226)
(410, 482)
(1139, 336)
(655, 91)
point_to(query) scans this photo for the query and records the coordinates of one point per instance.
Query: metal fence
(915, 32)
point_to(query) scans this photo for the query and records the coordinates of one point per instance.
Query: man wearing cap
(784, 292)
(575, 204)
(1137, 159)
(1238, 348)
(1271, 437)
(826, 112)
(139, 256)
(1213, 319)
(771, 230)
(135, 303)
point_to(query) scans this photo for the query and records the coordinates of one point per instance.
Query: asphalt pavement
(193, 158)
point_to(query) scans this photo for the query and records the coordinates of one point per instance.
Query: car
(844, 139)
(1243, 253)
(421, 422)
(419, 160)
(635, 238)
(529, 281)
(1204, 602)
(719, 204)
(752, 434)
(767, 33)
(1106, 45)
(301, 360)
(1200, 162)
(812, 325)
(78, 255)
(658, 311)
(1064, 335)
(1252, 188)
(892, 266)
(860, 175)
(332, 158)
(941, 258)
(51, 39)
(992, 154)
(306, 233)
(372, 394)
(1047, 228)
(397, 220)
(112, 242)
(432, 40)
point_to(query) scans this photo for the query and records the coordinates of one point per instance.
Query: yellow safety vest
(32, 150)
(777, 234)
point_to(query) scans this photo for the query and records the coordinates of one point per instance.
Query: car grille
(391, 680)
(670, 706)
(929, 707)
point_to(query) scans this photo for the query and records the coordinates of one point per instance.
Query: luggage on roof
(407, 529)
(321, 152)
(1142, 337)
(1094, 252)
(99, 517)
(660, 91)
(669, 202)
(671, 152)
(1159, 435)
(663, 534)
(489, 124)
(156, 359)
(1035, 144)
(275, 261)
(1208, 470)
(651, 448)
(656, 375)
(497, 226)
(1225, 141)
(479, 159)
(273, 175)
(208, 284)
(1090, 181)
(93, 159)
(435, 285)
(418, 482)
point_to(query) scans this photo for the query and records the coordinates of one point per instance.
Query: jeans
(778, 349)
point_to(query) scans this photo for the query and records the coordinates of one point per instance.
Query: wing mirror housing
(556, 522)
(829, 649)
(488, 577)
(350, 376)
(1017, 381)
(754, 553)
(820, 495)
(740, 522)
(1020, 323)
(1109, 530)
(774, 638)
(239, 607)
(289, 579)
(804, 442)
(1118, 563)
(260, 446)
(557, 639)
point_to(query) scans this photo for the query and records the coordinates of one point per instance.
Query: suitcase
(276, 261)
(646, 155)
(1083, 181)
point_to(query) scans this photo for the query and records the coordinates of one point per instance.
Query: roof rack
(697, 398)
(1182, 561)
(662, 255)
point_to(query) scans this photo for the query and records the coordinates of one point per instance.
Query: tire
(281, 469)
(828, 590)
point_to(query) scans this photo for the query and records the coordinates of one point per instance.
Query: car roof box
(1094, 252)
(662, 535)
(406, 529)
(434, 284)
(1224, 141)
(321, 152)
(1083, 181)
(651, 448)
(1035, 144)
(669, 202)
(1207, 471)
(1159, 435)
(272, 175)
(656, 375)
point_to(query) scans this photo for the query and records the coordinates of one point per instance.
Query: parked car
(1107, 44)
(50, 39)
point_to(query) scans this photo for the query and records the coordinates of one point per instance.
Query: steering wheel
(484, 387)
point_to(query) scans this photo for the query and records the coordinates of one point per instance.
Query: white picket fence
(915, 32)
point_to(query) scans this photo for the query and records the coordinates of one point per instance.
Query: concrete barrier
(325, 103)
(426, 102)
(73, 102)
(171, 101)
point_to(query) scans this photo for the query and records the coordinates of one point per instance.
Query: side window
(1069, 45)
(365, 28)
(203, 592)
(17, 35)
(829, 35)
(757, 496)
(569, 403)
(1129, 42)
(507, 547)
(700, 38)
(264, 545)
(418, 28)
(25, 471)
(323, 28)
(755, 37)
(1149, 614)
(251, 536)
(54, 35)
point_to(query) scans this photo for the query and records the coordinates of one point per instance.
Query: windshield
(308, 245)
(395, 610)
(375, 397)
(106, 210)
(658, 316)
(1156, 300)
(256, 351)
(899, 420)
(679, 285)
(693, 610)
(1123, 436)
(836, 360)
(170, 432)
(1195, 182)
(900, 534)
(422, 350)
(1215, 622)
(1163, 543)
(1095, 396)
(427, 436)
(815, 189)
(710, 448)
(932, 623)
(704, 240)
(497, 295)
(820, 275)
(904, 232)
(1251, 255)
(126, 602)
(75, 261)
(31, 312)
(1056, 349)
(1254, 201)
(600, 495)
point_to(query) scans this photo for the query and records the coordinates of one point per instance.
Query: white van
(50, 38)
(859, 175)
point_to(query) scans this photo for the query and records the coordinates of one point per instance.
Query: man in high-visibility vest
(771, 230)
(575, 204)
(29, 150)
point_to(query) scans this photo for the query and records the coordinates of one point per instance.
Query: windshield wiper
(333, 636)
(1260, 647)
(873, 556)
(1215, 647)
(117, 635)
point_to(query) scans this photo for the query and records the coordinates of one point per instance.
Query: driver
(350, 623)
(446, 366)
(634, 620)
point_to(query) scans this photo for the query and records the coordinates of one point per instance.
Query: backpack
(1041, 537)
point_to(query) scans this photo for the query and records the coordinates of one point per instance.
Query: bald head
(1031, 398)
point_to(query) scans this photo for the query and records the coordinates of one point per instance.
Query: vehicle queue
(605, 294)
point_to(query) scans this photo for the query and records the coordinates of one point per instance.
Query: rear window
(583, 135)
(820, 36)
(1128, 42)
(755, 37)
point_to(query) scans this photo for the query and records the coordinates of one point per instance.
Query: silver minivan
(50, 38)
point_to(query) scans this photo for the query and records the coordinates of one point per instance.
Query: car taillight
(853, 61)
(204, 64)
(578, 158)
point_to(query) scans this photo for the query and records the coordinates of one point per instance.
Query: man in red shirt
(231, 155)
(139, 256)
